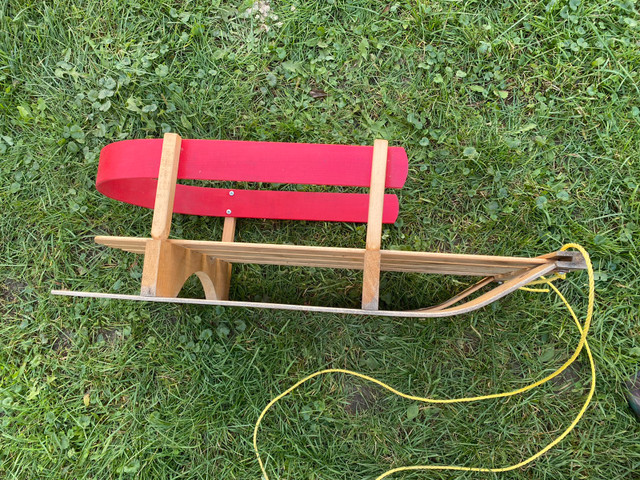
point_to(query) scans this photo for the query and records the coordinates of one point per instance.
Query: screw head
(228, 212)
(231, 193)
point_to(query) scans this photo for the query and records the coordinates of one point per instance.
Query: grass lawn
(521, 119)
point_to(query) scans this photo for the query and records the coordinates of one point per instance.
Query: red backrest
(128, 172)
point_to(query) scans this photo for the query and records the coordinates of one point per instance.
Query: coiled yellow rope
(583, 329)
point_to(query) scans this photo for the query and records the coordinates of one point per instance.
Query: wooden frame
(168, 263)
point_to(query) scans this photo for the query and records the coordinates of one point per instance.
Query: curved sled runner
(145, 173)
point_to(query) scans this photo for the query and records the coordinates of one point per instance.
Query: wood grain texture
(335, 257)
(167, 266)
(222, 277)
(376, 193)
(499, 291)
(166, 186)
(473, 305)
(464, 294)
(371, 263)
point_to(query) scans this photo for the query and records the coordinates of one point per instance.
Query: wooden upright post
(167, 265)
(155, 261)
(371, 276)
(166, 190)
(222, 278)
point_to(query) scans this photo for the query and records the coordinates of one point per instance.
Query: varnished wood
(371, 262)
(169, 262)
(222, 278)
(168, 266)
(156, 253)
(350, 258)
(238, 249)
(464, 294)
(166, 189)
(150, 268)
(497, 292)
(470, 306)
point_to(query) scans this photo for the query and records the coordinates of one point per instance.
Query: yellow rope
(536, 290)
(556, 276)
(583, 329)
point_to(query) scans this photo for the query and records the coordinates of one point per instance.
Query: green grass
(521, 120)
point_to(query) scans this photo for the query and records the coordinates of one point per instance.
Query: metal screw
(231, 193)
(228, 212)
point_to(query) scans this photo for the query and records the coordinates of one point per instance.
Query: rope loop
(582, 328)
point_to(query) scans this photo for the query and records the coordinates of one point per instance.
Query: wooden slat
(166, 186)
(371, 274)
(351, 258)
(389, 257)
(464, 294)
(448, 269)
(262, 305)
(213, 248)
(222, 277)
(241, 251)
(409, 256)
(283, 205)
(124, 243)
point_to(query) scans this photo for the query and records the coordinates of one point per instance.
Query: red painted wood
(317, 206)
(271, 162)
(128, 170)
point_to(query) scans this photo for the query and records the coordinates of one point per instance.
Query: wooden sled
(145, 173)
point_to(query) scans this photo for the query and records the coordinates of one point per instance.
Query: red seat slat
(128, 172)
(240, 161)
(317, 206)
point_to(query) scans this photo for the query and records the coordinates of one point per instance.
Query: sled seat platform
(349, 258)
(146, 173)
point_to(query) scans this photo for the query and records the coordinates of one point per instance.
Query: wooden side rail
(475, 304)
(353, 258)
